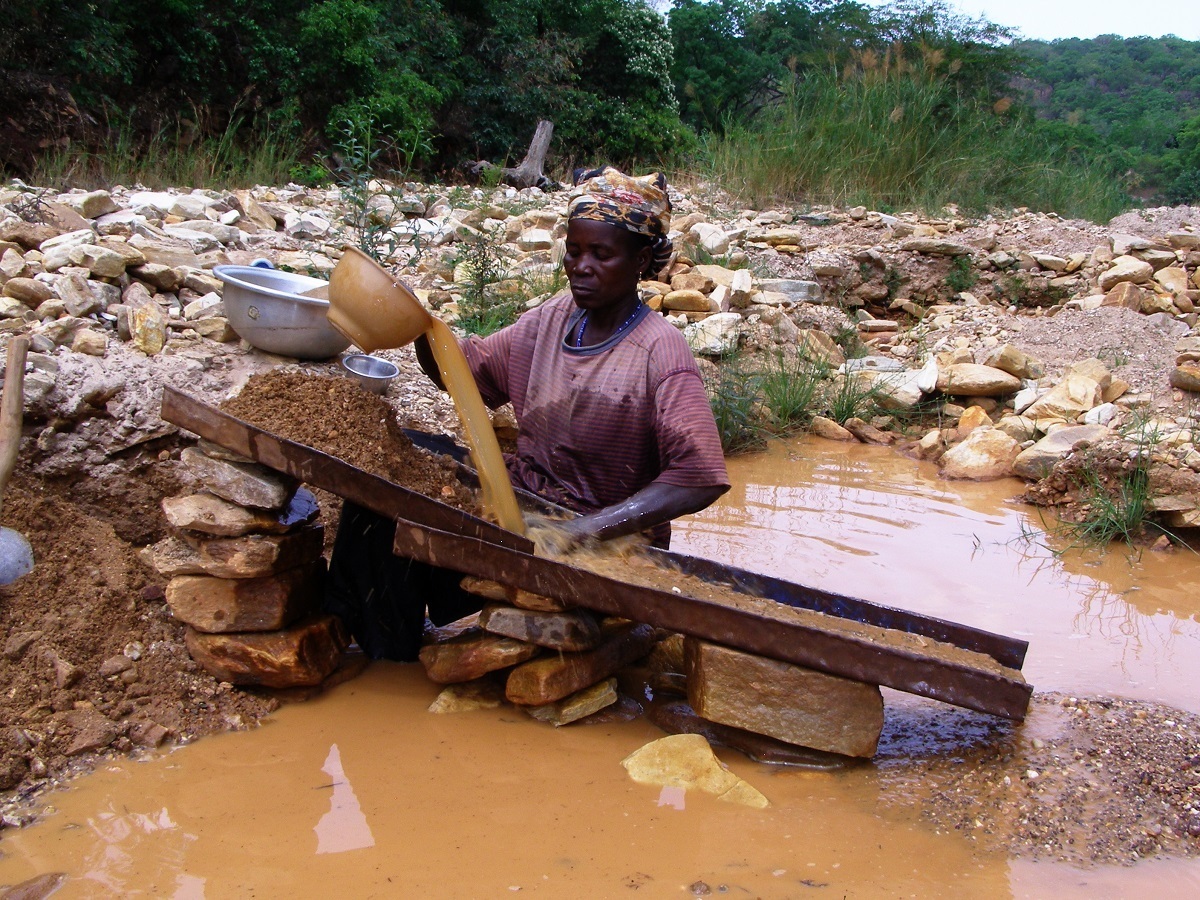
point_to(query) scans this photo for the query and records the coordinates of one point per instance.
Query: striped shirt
(597, 424)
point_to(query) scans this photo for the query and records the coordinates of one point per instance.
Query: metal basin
(371, 372)
(264, 306)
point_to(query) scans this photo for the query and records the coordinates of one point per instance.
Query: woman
(613, 420)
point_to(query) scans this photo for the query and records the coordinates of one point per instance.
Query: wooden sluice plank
(439, 534)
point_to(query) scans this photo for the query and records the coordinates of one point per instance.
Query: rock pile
(561, 665)
(246, 574)
(572, 681)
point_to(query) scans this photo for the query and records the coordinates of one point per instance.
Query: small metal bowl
(371, 372)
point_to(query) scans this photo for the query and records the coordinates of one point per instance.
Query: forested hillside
(1136, 101)
(906, 104)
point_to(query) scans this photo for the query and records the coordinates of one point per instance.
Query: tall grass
(903, 139)
(234, 156)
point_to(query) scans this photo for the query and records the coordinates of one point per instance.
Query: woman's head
(639, 206)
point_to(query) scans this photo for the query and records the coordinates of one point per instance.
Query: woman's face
(603, 264)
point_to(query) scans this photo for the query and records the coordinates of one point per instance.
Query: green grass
(733, 394)
(1117, 511)
(236, 157)
(903, 142)
(850, 397)
(791, 388)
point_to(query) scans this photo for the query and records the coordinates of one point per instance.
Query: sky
(1050, 19)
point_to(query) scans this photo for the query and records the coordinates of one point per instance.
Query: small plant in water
(790, 388)
(1117, 498)
(732, 392)
(851, 396)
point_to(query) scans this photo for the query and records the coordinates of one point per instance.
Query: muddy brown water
(362, 793)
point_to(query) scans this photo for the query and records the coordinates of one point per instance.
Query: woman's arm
(652, 505)
(428, 364)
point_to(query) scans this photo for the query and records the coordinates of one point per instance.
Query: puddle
(866, 522)
(363, 793)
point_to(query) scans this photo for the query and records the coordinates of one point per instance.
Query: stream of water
(362, 793)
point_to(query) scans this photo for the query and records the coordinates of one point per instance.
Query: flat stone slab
(220, 605)
(571, 631)
(246, 484)
(483, 693)
(687, 761)
(551, 678)
(210, 514)
(471, 654)
(258, 555)
(578, 706)
(303, 655)
(494, 590)
(783, 701)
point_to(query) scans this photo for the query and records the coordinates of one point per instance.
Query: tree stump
(530, 172)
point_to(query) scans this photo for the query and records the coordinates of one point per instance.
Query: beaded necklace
(583, 324)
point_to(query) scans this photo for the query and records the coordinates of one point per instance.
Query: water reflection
(345, 826)
(867, 522)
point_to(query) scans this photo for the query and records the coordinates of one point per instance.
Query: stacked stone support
(556, 663)
(246, 574)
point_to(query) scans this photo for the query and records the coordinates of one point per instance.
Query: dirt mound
(92, 660)
(338, 417)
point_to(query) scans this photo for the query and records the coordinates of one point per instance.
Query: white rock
(1125, 268)
(986, 453)
(712, 237)
(155, 204)
(100, 261)
(91, 205)
(306, 225)
(197, 241)
(226, 234)
(535, 239)
(189, 206)
(716, 335)
(68, 240)
(1100, 415)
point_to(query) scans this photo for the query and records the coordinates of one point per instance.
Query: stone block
(304, 654)
(258, 555)
(221, 605)
(783, 701)
(472, 654)
(974, 380)
(483, 693)
(493, 590)
(676, 717)
(577, 706)
(571, 631)
(687, 301)
(210, 514)
(246, 484)
(551, 678)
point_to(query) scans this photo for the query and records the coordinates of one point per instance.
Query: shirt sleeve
(689, 446)
(488, 358)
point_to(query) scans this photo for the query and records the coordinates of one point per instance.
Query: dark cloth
(383, 598)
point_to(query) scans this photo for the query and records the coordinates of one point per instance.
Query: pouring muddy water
(376, 311)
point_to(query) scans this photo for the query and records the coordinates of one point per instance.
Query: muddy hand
(559, 537)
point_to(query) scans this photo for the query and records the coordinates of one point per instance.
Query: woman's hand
(652, 505)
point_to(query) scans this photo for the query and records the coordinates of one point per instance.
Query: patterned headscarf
(640, 205)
